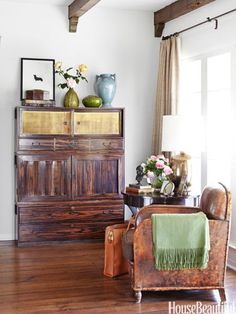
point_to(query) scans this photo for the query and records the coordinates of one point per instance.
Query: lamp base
(181, 166)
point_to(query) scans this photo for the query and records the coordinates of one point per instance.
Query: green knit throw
(180, 241)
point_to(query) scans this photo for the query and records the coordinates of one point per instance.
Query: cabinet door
(44, 177)
(98, 123)
(45, 123)
(97, 174)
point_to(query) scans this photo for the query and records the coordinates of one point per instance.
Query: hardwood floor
(68, 278)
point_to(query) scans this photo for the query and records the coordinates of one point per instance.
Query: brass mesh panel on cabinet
(97, 123)
(37, 122)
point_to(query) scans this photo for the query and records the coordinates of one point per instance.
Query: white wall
(108, 41)
(206, 39)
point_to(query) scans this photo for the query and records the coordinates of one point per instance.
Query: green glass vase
(157, 182)
(71, 99)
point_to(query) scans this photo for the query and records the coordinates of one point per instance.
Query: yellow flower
(83, 68)
(58, 66)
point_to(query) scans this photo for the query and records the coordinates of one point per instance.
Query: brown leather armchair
(137, 248)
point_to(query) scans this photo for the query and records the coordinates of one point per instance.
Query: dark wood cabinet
(69, 173)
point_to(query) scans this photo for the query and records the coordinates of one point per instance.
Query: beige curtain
(167, 87)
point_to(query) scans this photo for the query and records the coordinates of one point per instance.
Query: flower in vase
(71, 83)
(157, 167)
(72, 77)
(167, 170)
(83, 68)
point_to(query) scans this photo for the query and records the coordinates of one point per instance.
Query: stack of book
(136, 188)
(38, 103)
(38, 98)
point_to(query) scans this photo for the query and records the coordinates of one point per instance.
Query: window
(206, 90)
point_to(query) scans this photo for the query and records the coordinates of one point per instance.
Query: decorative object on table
(181, 165)
(183, 187)
(37, 79)
(157, 170)
(71, 99)
(142, 186)
(180, 134)
(105, 87)
(167, 188)
(38, 98)
(37, 94)
(139, 174)
(92, 101)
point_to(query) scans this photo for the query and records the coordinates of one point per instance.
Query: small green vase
(157, 182)
(71, 99)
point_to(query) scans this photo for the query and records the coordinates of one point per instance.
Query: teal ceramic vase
(71, 99)
(105, 87)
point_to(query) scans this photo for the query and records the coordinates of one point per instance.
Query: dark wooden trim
(8, 243)
(76, 9)
(159, 29)
(73, 22)
(174, 10)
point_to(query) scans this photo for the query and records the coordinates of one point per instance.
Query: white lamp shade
(182, 134)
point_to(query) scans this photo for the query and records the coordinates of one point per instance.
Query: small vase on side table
(157, 182)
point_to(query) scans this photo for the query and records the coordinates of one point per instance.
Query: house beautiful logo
(200, 308)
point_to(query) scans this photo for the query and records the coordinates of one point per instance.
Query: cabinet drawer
(82, 214)
(99, 144)
(107, 144)
(36, 144)
(61, 231)
(55, 144)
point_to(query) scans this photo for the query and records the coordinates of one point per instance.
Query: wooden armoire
(69, 173)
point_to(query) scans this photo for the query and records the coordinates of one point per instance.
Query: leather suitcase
(114, 262)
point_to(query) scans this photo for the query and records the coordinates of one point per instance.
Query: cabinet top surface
(28, 108)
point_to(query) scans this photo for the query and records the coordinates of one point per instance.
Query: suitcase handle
(110, 237)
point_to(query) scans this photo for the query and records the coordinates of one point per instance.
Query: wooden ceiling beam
(174, 10)
(76, 9)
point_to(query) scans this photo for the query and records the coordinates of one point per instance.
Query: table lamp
(183, 136)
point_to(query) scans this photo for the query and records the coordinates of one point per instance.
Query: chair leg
(138, 296)
(222, 294)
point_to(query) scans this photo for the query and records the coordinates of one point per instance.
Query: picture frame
(38, 74)
(167, 188)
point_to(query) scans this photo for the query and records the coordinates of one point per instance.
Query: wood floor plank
(68, 278)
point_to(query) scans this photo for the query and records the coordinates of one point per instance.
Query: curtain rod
(204, 22)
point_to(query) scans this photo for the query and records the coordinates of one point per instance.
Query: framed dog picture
(38, 74)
